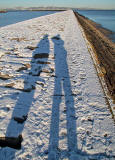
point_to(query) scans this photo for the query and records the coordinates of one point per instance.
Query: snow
(67, 114)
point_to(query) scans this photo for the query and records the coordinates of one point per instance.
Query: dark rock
(105, 135)
(53, 75)
(20, 120)
(42, 62)
(40, 83)
(28, 89)
(41, 55)
(12, 142)
(90, 119)
(22, 68)
(31, 47)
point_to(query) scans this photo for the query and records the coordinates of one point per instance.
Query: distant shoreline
(3, 11)
(31, 10)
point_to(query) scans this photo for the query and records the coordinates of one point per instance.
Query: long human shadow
(25, 98)
(62, 82)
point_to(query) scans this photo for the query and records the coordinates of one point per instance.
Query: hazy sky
(104, 4)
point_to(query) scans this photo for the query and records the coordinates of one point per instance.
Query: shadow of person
(62, 82)
(13, 137)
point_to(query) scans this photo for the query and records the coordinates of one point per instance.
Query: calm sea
(18, 16)
(104, 17)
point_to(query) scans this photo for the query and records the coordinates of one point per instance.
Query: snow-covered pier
(50, 93)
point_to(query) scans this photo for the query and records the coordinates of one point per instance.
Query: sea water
(12, 17)
(104, 17)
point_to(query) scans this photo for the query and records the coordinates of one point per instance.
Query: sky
(99, 4)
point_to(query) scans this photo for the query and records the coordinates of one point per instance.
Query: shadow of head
(57, 40)
(45, 36)
(42, 49)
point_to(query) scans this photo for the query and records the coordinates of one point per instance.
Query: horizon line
(82, 8)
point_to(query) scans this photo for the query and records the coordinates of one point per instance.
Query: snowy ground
(47, 74)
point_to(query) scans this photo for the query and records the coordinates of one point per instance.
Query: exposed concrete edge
(108, 98)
